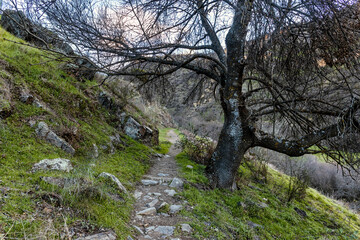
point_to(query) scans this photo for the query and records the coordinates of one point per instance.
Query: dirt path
(155, 214)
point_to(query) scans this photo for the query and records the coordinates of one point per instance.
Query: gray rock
(148, 211)
(152, 203)
(158, 155)
(149, 182)
(138, 229)
(149, 229)
(96, 151)
(37, 103)
(175, 208)
(254, 225)
(163, 174)
(114, 180)
(42, 130)
(137, 194)
(109, 235)
(59, 164)
(176, 183)
(263, 205)
(129, 238)
(163, 205)
(133, 129)
(170, 193)
(186, 228)
(165, 230)
(26, 98)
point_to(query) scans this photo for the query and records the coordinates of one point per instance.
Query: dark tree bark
(289, 62)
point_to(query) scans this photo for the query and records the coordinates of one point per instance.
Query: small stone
(59, 164)
(175, 208)
(129, 238)
(149, 182)
(148, 211)
(156, 194)
(254, 225)
(158, 155)
(263, 205)
(176, 183)
(167, 156)
(96, 151)
(114, 180)
(162, 205)
(138, 229)
(189, 166)
(170, 193)
(137, 194)
(186, 228)
(147, 198)
(32, 123)
(152, 203)
(109, 235)
(163, 175)
(165, 230)
(149, 229)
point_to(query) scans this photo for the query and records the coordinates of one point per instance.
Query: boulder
(59, 164)
(43, 131)
(114, 180)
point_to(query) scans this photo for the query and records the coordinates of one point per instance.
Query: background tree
(292, 63)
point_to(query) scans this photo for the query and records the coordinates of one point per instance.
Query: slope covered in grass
(260, 210)
(32, 208)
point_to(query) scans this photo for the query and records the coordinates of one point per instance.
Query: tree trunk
(235, 139)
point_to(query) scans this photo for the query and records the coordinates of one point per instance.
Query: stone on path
(59, 164)
(175, 208)
(186, 228)
(138, 230)
(148, 211)
(170, 193)
(149, 182)
(163, 175)
(114, 180)
(109, 235)
(152, 203)
(165, 230)
(137, 194)
(176, 183)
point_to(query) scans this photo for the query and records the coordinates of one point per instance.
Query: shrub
(199, 149)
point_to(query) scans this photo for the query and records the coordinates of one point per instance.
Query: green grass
(223, 214)
(70, 107)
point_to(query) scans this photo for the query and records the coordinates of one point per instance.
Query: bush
(199, 149)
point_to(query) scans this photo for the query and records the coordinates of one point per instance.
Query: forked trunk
(235, 139)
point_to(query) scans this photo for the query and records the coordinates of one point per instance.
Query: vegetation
(33, 208)
(261, 209)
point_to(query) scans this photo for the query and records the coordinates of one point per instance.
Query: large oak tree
(288, 62)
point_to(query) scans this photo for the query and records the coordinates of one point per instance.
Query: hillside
(78, 202)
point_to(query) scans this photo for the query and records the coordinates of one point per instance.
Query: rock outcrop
(42, 130)
(22, 27)
(128, 124)
(59, 164)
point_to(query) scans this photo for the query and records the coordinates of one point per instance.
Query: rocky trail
(155, 214)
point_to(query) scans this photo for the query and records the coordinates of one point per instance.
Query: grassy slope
(72, 107)
(224, 215)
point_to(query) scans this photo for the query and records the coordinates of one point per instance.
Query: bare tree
(288, 62)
